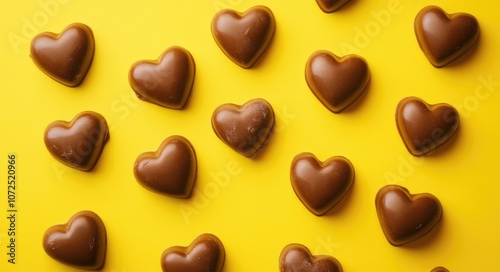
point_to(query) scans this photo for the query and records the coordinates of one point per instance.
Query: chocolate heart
(78, 143)
(329, 6)
(442, 37)
(171, 170)
(423, 127)
(336, 82)
(80, 243)
(243, 37)
(246, 128)
(404, 217)
(321, 185)
(439, 269)
(298, 258)
(205, 254)
(166, 82)
(65, 57)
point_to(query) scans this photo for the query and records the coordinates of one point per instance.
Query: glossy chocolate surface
(439, 269)
(205, 254)
(329, 6)
(336, 82)
(166, 82)
(245, 128)
(443, 37)
(321, 185)
(171, 170)
(244, 37)
(79, 143)
(404, 217)
(298, 258)
(80, 243)
(65, 57)
(423, 127)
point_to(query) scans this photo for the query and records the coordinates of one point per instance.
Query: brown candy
(65, 57)
(171, 170)
(443, 37)
(80, 243)
(321, 185)
(78, 143)
(439, 269)
(205, 254)
(298, 258)
(166, 82)
(404, 217)
(243, 37)
(329, 6)
(245, 128)
(336, 82)
(423, 127)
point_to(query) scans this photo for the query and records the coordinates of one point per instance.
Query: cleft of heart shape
(66, 57)
(336, 81)
(298, 258)
(320, 186)
(205, 254)
(167, 81)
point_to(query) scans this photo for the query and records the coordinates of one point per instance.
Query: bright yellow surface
(249, 204)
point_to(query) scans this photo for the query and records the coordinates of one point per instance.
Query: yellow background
(249, 203)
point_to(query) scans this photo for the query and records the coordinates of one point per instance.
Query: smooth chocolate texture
(406, 217)
(336, 81)
(320, 186)
(329, 6)
(245, 128)
(298, 258)
(205, 254)
(445, 37)
(171, 170)
(78, 143)
(423, 127)
(65, 57)
(80, 243)
(244, 37)
(167, 81)
(440, 269)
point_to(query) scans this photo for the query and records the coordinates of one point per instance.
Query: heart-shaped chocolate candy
(321, 185)
(439, 269)
(336, 82)
(244, 37)
(80, 243)
(166, 82)
(78, 143)
(404, 217)
(298, 258)
(329, 6)
(443, 37)
(245, 128)
(423, 127)
(65, 57)
(205, 254)
(171, 170)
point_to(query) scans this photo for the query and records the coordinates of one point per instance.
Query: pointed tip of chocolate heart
(80, 243)
(445, 37)
(298, 258)
(329, 6)
(65, 57)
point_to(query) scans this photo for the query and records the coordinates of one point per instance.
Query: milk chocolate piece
(65, 57)
(78, 143)
(246, 128)
(440, 269)
(445, 37)
(205, 254)
(166, 82)
(244, 37)
(80, 243)
(171, 170)
(336, 82)
(329, 6)
(404, 217)
(298, 258)
(321, 185)
(423, 127)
